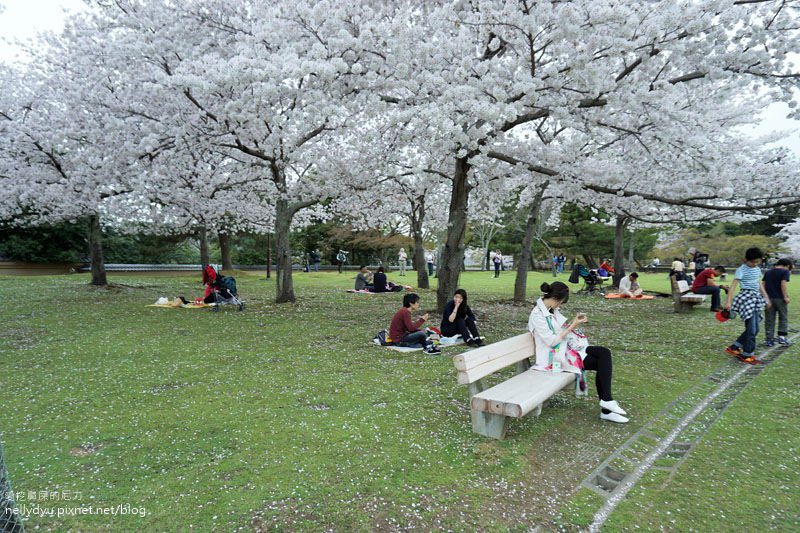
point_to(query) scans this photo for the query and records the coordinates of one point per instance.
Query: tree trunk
(283, 251)
(96, 252)
(417, 217)
(619, 250)
(487, 259)
(452, 257)
(521, 283)
(205, 258)
(631, 242)
(269, 254)
(225, 250)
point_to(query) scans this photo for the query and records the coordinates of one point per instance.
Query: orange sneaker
(750, 360)
(736, 352)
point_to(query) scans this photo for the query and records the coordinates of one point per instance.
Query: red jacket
(402, 324)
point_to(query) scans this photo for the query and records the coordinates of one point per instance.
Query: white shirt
(429, 257)
(546, 328)
(626, 286)
(402, 255)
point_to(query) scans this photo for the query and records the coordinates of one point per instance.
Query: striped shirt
(749, 277)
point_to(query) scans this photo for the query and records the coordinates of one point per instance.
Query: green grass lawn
(288, 417)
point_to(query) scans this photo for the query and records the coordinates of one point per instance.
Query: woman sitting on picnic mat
(559, 344)
(381, 284)
(459, 319)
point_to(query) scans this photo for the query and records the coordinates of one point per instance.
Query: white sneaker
(613, 406)
(614, 417)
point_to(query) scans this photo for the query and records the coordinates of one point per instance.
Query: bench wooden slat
(493, 365)
(687, 295)
(521, 394)
(469, 360)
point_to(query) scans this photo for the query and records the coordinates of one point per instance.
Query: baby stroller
(220, 290)
(591, 281)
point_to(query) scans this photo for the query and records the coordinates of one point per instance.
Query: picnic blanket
(365, 291)
(183, 306)
(404, 349)
(615, 295)
(442, 343)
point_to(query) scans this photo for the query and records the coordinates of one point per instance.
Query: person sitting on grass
(459, 319)
(364, 279)
(405, 332)
(557, 342)
(381, 284)
(748, 303)
(629, 286)
(704, 284)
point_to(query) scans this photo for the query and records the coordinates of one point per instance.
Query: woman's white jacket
(546, 327)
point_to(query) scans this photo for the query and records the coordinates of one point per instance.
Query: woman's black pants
(598, 358)
(464, 326)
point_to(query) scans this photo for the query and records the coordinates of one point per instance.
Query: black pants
(598, 358)
(418, 339)
(497, 270)
(463, 326)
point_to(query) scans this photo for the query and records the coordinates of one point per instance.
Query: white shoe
(613, 406)
(614, 417)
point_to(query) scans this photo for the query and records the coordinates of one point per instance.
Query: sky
(22, 19)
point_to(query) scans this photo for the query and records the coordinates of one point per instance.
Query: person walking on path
(774, 283)
(497, 260)
(401, 261)
(747, 304)
(558, 343)
(704, 284)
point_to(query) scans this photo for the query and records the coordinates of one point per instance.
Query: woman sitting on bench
(559, 346)
(459, 319)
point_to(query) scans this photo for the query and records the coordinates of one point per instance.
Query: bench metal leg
(489, 424)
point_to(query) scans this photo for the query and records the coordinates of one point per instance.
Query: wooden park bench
(682, 296)
(526, 391)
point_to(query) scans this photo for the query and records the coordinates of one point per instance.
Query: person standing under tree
(316, 259)
(497, 260)
(401, 261)
(429, 261)
(341, 258)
